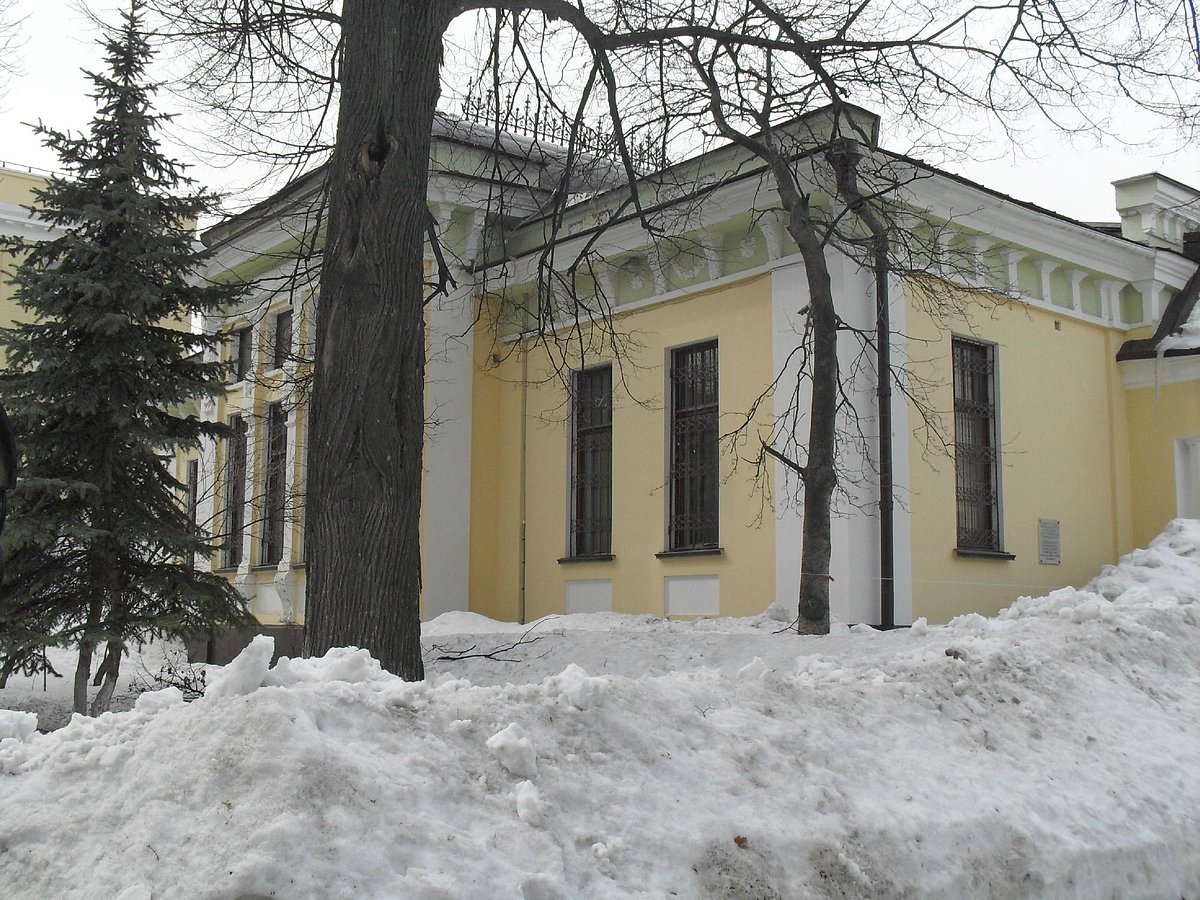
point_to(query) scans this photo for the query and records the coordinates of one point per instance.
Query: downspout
(524, 480)
(883, 351)
(845, 155)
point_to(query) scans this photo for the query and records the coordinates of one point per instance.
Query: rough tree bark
(820, 474)
(83, 666)
(106, 678)
(367, 416)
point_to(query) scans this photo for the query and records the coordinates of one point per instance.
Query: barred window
(281, 346)
(235, 491)
(242, 358)
(976, 446)
(591, 462)
(274, 487)
(693, 523)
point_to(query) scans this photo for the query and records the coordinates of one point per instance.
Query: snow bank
(1049, 752)
(17, 725)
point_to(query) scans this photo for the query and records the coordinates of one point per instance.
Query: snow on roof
(1186, 336)
(1048, 752)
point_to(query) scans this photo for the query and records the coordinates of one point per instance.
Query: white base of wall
(588, 596)
(692, 595)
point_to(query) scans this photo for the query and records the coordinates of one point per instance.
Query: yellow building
(599, 452)
(16, 193)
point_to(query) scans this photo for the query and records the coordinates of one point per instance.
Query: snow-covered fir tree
(97, 387)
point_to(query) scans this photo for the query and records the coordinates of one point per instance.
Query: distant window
(281, 347)
(591, 462)
(274, 486)
(694, 459)
(976, 446)
(192, 488)
(192, 498)
(240, 341)
(235, 491)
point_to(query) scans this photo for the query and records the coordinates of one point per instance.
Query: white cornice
(16, 221)
(1045, 234)
(1147, 373)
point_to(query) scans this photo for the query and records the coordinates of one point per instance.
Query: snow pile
(19, 725)
(1053, 751)
(1169, 567)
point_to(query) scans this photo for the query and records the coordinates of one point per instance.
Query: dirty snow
(1052, 751)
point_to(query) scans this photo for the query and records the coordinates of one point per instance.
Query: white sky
(1050, 171)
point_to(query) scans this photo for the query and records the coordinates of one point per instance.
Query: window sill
(700, 551)
(225, 570)
(265, 567)
(967, 553)
(594, 557)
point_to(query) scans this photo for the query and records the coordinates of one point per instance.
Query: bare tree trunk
(83, 668)
(820, 475)
(367, 415)
(110, 669)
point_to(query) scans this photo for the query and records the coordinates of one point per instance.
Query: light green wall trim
(1132, 309)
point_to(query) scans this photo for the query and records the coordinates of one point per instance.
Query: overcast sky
(1071, 179)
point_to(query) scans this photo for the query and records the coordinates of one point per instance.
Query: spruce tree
(97, 386)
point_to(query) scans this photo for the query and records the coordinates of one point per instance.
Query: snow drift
(1053, 751)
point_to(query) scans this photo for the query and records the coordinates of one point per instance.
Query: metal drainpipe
(524, 480)
(883, 349)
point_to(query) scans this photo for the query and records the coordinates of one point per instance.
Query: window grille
(591, 462)
(281, 347)
(235, 491)
(693, 522)
(976, 446)
(274, 486)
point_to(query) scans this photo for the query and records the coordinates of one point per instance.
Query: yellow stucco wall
(15, 187)
(18, 187)
(1157, 416)
(1063, 457)
(739, 316)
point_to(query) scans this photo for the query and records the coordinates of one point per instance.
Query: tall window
(192, 498)
(241, 353)
(274, 486)
(591, 462)
(694, 462)
(192, 490)
(235, 491)
(281, 345)
(976, 446)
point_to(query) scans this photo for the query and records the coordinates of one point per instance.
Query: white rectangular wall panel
(692, 595)
(266, 600)
(1187, 476)
(589, 596)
